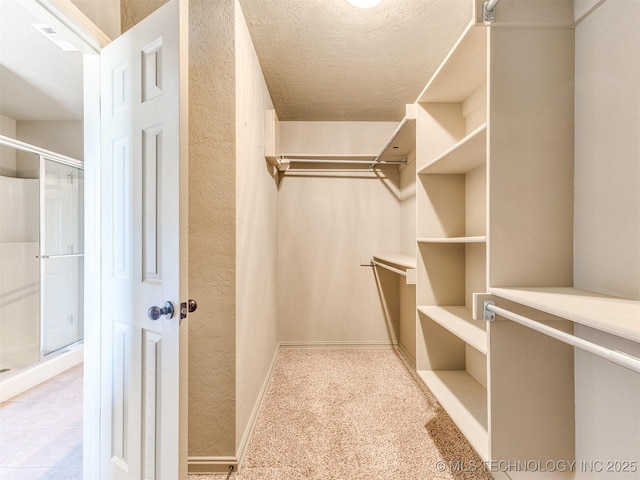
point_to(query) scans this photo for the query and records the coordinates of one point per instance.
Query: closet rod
(385, 266)
(492, 4)
(619, 358)
(344, 162)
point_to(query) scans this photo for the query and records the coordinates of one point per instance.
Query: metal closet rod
(619, 358)
(344, 162)
(492, 4)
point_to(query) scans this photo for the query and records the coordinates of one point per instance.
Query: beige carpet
(352, 415)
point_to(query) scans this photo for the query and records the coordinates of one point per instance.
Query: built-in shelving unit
(484, 152)
(451, 235)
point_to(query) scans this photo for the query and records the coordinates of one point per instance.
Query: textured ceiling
(322, 59)
(327, 60)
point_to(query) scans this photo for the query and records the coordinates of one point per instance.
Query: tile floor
(41, 431)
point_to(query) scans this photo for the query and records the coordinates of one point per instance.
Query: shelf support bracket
(489, 12)
(488, 315)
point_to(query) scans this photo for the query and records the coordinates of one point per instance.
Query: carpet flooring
(357, 414)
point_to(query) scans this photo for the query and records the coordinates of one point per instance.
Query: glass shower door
(61, 254)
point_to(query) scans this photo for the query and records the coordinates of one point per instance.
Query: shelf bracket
(282, 164)
(488, 315)
(489, 12)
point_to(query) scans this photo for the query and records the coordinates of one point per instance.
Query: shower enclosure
(41, 255)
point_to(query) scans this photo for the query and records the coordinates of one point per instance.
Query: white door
(144, 251)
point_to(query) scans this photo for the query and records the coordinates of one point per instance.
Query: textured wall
(212, 227)
(256, 233)
(326, 222)
(132, 11)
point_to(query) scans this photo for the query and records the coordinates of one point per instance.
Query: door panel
(152, 205)
(143, 202)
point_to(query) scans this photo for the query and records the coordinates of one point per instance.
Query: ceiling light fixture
(364, 3)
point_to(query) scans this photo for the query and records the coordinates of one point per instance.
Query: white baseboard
(40, 372)
(248, 431)
(206, 465)
(345, 345)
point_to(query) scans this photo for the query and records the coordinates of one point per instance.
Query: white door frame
(65, 17)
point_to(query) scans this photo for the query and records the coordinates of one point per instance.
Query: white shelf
(396, 259)
(462, 72)
(403, 139)
(615, 315)
(465, 400)
(406, 262)
(365, 157)
(460, 322)
(478, 239)
(402, 144)
(466, 155)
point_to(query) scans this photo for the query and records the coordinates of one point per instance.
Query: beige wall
(7, 155)
(607, 149)
(212, 228)
(607, 217)
(105, 14)
(132, 11)
(256, 234)
(325, 223)
(64, 137)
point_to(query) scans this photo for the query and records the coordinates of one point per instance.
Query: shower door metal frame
(44, 155)
(42, 256)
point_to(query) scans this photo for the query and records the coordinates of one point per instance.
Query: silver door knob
(155, 312)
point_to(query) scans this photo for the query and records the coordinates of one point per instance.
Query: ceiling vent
(54, 36)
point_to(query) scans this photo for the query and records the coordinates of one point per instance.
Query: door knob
(155, 312)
